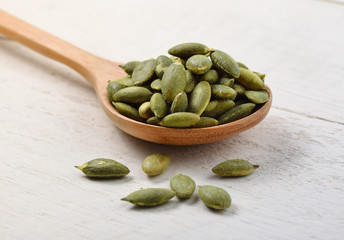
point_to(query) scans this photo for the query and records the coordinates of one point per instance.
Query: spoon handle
(40, 41)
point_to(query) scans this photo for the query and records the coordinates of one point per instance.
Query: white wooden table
(50, 120)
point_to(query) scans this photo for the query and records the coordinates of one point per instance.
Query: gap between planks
(307, 115)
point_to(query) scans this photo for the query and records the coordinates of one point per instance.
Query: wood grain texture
(50, 120)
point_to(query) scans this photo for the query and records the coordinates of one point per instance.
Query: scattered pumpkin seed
(211, 76)
(156, 84)
(149, 197)
(143, 71)
(112, 88)
(223, 92)
(162, 63)
(155, 164)
(250, 80)
(184, 186)
(234, 168)
(214, 197)
(127, 111)
(103, 168)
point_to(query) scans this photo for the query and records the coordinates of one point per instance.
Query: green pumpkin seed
(180, 120)
(134, 95)
(127, 111)
(184, 186)
(180, 103)
(154, 120)
(216, 108)
(175, 59)
(250, 80)
(145, 111)
(143, 72)
(226, 81)
(223, 92)
(186, 50)
(156, 84)
(257, 96)
(239, 89)
(129, 66)
(225, 63)
(149, 197)
(234, 168)
(112, 88)
(103, 168)
(190, 82)
(158, 105)
(162, 63)
(241, 65)
(155, 164)
(198, 64)
(260, 75)
(214, 197)
(211, 76)
(236, 113)
(199, 97)
(206, 122)
(173, 81)
(127, 81)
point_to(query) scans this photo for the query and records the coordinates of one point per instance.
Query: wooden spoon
(97, 71)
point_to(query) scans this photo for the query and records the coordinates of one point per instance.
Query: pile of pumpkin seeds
(196, 87)
(181, 185)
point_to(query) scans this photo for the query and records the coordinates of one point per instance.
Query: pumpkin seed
(129, 66)
(180, 120)
(226, 81)
(156, 84)
(241, 65)
(162, 63)
(214, 197)
(206, 122)
(239, 89)
(184, 186)
(190, 82)
(154, 120)
(236, 113)
(260, 75)
(173, 81)
(158, 105)
(143, 72)
(155, 164)
(198, 64)
(186, 50)
(134, 95)
(127, 81)
(180, 103)
(257, 96)
(250, 80)
(112, 88)
(225, 63)
(145, 111)
(149, 197)
(175, 59)
(234, 168)
(216, 108)
(211, 76)
(127, 111)
(103, 168)
(199, 97)
(223, 92)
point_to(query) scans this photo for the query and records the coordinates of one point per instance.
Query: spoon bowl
(97, 71)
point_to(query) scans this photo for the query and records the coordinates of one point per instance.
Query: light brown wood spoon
(97, 71)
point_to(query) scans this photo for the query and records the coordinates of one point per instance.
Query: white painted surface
(50, 120)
